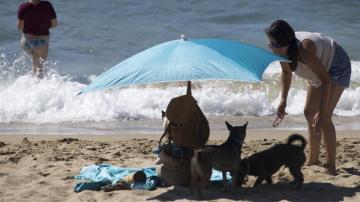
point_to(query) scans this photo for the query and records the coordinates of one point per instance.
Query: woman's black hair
(282, 34)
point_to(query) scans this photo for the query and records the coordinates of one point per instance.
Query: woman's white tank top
(325, 49)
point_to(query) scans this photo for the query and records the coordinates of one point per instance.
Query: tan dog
(166, 123)
(165, 120)
(201, 169)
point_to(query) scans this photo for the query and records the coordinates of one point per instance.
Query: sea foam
(54, 99)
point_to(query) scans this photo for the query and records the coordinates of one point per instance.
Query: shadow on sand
(280, 191)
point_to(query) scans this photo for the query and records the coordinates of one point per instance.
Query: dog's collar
(235, 143)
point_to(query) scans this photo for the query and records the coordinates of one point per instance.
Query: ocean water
(94, 35)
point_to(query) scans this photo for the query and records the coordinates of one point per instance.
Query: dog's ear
(162, 113)
(245, 125)
(229, 127)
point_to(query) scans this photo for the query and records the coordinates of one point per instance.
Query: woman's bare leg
(313, 98)
(39, 55)
(328, 131)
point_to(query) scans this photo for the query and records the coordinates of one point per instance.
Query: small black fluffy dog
(267, 162)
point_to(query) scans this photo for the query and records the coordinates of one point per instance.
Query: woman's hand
(317, 123)
(281, 109)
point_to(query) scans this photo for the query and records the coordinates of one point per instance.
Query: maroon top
(37, 18)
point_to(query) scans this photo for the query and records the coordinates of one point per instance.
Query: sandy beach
(85, 84)
(41, 168)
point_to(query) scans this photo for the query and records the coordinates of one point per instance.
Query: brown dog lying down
(224, 157)
(265, 163)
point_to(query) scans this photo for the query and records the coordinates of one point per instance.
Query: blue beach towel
(100, 175)
(104, 174)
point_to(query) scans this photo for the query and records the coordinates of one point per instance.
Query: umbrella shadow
(314, 191)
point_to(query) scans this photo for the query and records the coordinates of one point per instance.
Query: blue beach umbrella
(186, 60)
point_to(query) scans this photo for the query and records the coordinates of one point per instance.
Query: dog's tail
(295, 137)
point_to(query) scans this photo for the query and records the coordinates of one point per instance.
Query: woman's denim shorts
(30, 43)
(340, 69)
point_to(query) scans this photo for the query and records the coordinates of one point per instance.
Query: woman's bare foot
(331, 170)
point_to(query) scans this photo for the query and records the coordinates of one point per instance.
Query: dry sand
(41, 168)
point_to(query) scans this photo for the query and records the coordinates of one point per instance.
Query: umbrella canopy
(184, 60)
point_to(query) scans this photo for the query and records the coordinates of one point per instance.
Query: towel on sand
(103, 174)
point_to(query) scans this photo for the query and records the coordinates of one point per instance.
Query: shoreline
(252, 134)
(153, 128)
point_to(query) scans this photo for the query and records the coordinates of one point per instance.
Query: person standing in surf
(327, 67)
(35, 18)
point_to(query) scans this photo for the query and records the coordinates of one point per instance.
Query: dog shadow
(314, 191)
(352, 171)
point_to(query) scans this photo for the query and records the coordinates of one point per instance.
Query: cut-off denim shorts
(30, 43)
(340, 68)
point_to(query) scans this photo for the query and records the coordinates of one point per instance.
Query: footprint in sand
(44, 174)
(2, 144)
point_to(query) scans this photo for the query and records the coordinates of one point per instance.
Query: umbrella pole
(188, 91)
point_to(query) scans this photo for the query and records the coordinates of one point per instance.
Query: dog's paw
(299, 184)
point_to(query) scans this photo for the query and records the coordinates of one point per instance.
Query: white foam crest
(355, 72)
(272, 71)
(220, 101)
(54, 99)
(349, 103)
(295, 102)
(11, 66)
